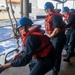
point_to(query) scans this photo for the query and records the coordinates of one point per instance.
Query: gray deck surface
(66, 69)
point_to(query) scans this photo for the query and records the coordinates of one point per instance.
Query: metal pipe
(61, 1)
(56, 5)
(73, 3)
(63, 4)
(25, 8)
(21, 8)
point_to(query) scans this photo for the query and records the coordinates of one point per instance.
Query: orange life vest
(68, 15)
(46, 45)
(48, 23)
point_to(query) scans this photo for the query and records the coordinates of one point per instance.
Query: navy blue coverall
(43, 65)
(70, 35)
(58, 42)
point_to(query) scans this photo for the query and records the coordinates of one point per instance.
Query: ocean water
(6, 32)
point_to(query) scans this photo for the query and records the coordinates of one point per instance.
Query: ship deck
(66, 69)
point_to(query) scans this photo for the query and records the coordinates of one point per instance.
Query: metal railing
(3, 56)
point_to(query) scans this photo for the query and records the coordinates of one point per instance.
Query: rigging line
(21, 8)
(6, 39)
(15, 31)
(13, 12)
(7, 7)
(6, 26)
(17, 41)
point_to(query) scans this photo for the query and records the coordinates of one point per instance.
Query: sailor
(72, 10)
(36, 45)
(69, 17)
(54, 29)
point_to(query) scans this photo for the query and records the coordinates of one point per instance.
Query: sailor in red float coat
(49, 28)
(54, 29)
(70, 33)
(36, 46)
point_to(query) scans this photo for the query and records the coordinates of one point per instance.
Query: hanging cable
(7, 7)
(21, 8)
(13, 12)
(16, 36)
(13, 27)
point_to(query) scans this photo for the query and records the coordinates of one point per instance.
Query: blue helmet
(24, 21)
(65, 9)
(48, 5)
(72, 10)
